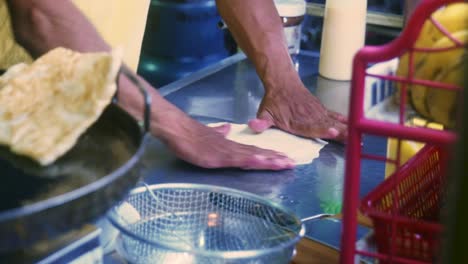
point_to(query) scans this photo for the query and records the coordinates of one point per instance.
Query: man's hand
(207, 147)
(287, 104)
(43, 25)
(298, 112)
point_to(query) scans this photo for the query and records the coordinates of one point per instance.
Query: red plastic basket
(405, 206)
(419, 184)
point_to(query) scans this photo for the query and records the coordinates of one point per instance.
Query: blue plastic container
(182, 37)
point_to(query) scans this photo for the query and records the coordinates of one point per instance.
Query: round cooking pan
(39, 203)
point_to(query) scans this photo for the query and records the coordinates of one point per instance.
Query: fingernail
(288, 162)
(258, 125)
(280, 162)
(290, 165)
(285, 163)
(333, 132)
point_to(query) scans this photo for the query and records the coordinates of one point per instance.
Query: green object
(331, 207)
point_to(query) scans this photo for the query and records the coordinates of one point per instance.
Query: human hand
(287, 104)
(40, 26)
(298, 112)
(207, 147)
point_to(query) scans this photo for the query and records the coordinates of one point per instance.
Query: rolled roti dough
(301, 150)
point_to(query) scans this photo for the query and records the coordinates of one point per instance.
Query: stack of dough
(47, 105)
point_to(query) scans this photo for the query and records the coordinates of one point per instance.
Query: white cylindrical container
(333, 94)
(292, 14)
(343, 34)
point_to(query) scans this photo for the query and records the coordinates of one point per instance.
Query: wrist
(276, 71)
(132, 100)
(287, 80)
(165, 121)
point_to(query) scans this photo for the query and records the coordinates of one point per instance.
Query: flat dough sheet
(301, 150)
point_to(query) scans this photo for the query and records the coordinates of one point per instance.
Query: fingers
(223, 129)
(339, 130)
(333, 127)
(262, 123)
(266, 162)
(260, 162)
(339, 133)
(253, 158)
(325, 129)
(229, 154)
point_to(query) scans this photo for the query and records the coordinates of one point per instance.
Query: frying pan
(40, 203)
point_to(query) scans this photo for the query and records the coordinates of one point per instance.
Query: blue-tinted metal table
(231, 91)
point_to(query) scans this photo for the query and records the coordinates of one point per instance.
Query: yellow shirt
(10, 52)
(120, 22)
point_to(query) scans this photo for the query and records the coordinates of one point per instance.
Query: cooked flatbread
(46, 106)
(12, 72)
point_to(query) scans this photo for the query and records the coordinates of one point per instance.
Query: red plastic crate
(415, 188)
(419, 186)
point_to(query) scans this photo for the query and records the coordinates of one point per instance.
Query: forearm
(258, 30)
(43, 25)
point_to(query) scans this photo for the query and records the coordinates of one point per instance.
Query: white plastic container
(292, 14)
(333, 94)
(343, 34)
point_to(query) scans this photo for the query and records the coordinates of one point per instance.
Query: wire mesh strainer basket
(188, 223)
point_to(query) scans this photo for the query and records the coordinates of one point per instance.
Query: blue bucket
(182, 37)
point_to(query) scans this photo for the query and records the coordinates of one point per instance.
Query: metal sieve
(192, 223)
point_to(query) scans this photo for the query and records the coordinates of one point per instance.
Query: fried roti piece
(47, 105)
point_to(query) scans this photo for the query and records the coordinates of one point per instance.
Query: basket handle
(146, 96)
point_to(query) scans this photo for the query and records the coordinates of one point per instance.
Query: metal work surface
(231, 91)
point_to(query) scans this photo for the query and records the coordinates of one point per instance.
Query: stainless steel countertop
(231, 91)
